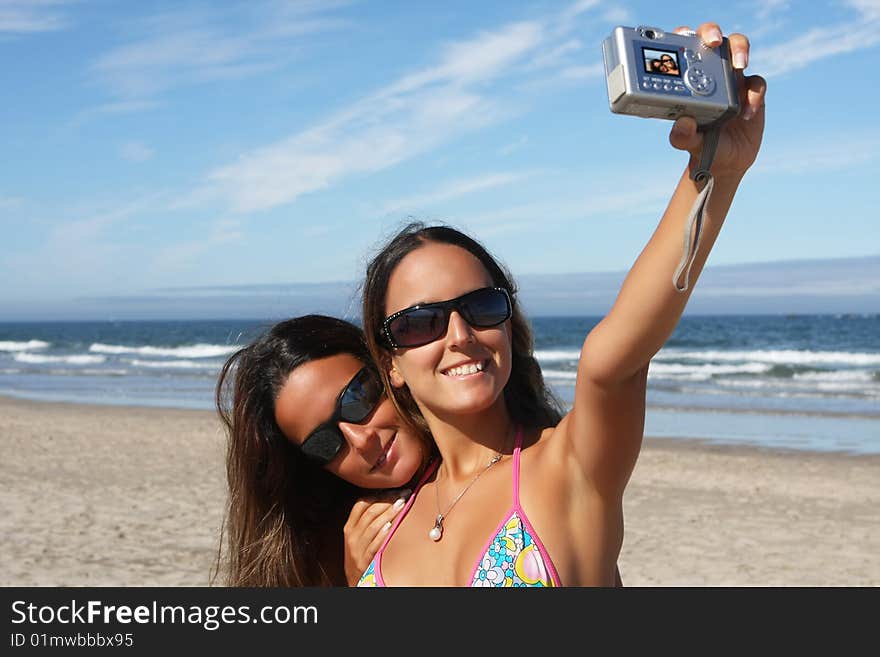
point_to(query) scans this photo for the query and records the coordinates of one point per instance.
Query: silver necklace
(436, 532)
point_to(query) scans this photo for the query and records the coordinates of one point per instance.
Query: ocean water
(809, 382)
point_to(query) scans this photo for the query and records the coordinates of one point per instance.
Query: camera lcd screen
(661, 62)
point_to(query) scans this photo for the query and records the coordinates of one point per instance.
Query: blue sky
(183, 144)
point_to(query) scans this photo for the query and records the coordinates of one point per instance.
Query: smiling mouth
(381, 460)
(468, 369)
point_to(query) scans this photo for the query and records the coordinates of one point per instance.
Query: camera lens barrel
(650, 32)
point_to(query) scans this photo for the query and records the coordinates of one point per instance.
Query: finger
(373, 534)
(684, 135)
(739, 50)
(371, 549)
(756, 92)
(366, 501)
(359, 536)
(376, 509)
(683, 29)
(383, 520)
(387, 521)
(362, 513)
(710, 34)
(359, 508)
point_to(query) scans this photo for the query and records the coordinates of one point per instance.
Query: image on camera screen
(661, 62)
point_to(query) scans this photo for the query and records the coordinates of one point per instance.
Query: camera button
(692, 55)
(700, 83)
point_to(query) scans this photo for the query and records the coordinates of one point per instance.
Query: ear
(395, 377)
(393, 374)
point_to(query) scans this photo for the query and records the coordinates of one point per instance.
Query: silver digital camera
(664, 75)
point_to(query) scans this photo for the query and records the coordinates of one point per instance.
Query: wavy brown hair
(530, 403)
(284, 515)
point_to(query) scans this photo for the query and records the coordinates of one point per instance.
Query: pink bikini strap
(517, 448)
(412, 498)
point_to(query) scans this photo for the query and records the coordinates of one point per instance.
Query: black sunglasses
(419, 325)
(355, 403)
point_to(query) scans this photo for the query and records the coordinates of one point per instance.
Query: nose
(458, 332)
(359, 436)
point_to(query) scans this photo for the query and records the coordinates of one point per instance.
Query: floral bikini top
(513, 556)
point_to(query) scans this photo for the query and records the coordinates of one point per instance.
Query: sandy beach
(121, 496)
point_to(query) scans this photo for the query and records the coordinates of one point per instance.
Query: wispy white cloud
(473, 61)
(860, 33)
(410, 116)
(114, 109)
(31, 16)
(556, 55)
(582, 72)
(317, 158)
(821, 154)
(648, 199)
(513, 146)
(454, 189)
(183, 47)
(567, 20)
(9, 202)
(135, 151)
(868, 8)
(769, 8)
(83, 250)
(617, 15)
(182, 255)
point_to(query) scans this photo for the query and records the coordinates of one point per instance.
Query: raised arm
(648, 306)
(606, 424)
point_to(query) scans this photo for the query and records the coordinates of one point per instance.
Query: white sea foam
(84, 372)
(857, 388)
(679, 371)
(8, 345)
(188, 351)
(76, 359)
(175, 364)
(836, 376)
(559, 375)
(549, 355)
(774, 356)
(102, 372)
(801, 388)
(703, 372)
(750, 383)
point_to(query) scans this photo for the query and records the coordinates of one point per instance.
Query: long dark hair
(530, 402)
(284, 515)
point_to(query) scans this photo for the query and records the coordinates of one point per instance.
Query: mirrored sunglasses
(424, 323)
(355, 403)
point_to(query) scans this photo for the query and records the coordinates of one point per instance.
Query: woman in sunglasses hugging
(309, 428)
(522, 496)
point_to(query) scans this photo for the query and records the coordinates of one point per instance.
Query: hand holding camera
(694, 78)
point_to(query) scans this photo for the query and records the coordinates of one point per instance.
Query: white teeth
(464, 370)
(379, 463)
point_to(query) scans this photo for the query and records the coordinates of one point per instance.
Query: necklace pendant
(436, 532)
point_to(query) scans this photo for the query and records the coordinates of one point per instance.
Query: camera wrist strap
(694, 222)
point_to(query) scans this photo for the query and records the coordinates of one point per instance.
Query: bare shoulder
(545, 448)
(549, 454)
(535, 441)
